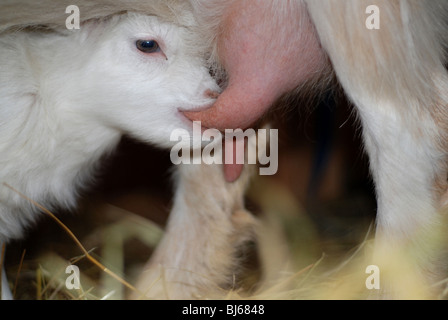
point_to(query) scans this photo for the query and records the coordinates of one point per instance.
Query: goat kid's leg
(395, 76)
(207, 224)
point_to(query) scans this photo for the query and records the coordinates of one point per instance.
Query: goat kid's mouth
(232, 170)
(187, 110)
(190, 123)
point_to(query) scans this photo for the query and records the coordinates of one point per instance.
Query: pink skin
(263, 61)
(266, 53)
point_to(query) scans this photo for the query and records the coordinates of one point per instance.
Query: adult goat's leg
(396, 78)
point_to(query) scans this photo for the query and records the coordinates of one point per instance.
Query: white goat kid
(67, 97)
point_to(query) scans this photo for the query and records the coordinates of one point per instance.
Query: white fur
(66, 98)
(207, 225)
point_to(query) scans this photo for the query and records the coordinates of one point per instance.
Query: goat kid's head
(136, 73)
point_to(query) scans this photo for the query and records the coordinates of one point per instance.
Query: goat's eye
(147, 46)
